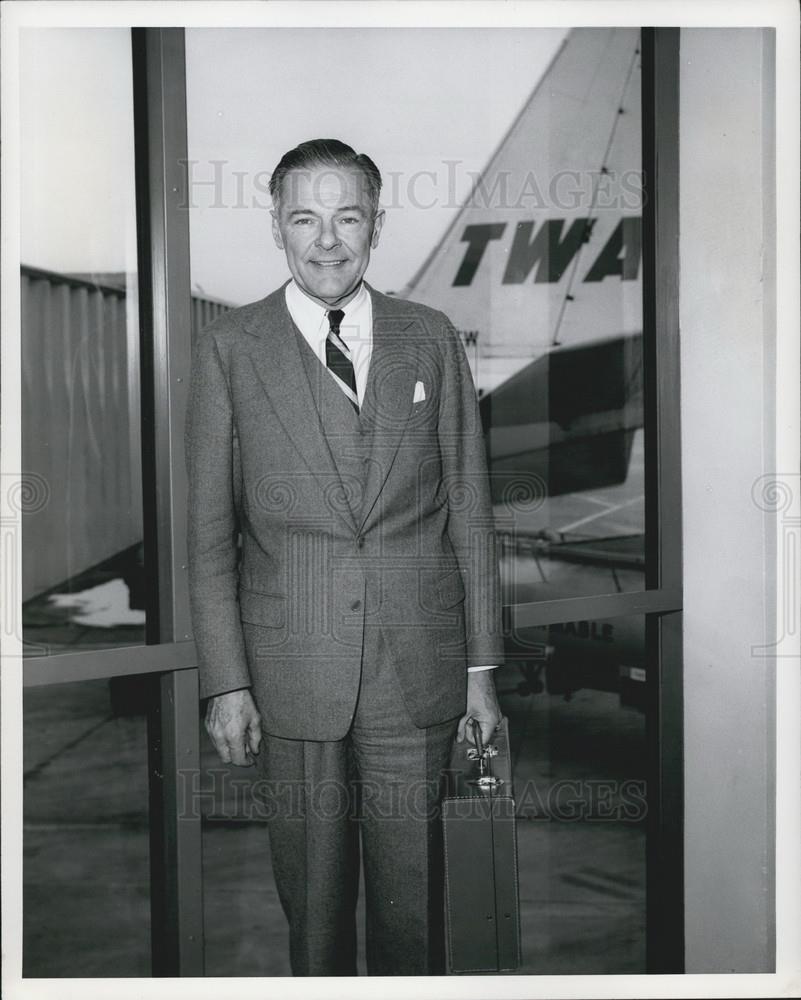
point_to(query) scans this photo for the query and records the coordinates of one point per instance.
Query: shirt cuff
(491, 666)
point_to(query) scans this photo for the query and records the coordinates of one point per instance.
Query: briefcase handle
(482, 750)
(477, 737)
(484, 754)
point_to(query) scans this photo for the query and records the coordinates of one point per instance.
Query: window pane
(83, 585)
(513, 204)
(541, 272)
(86, 874)
(574, 695)
(575, 700)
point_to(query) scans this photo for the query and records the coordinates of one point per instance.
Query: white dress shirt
(356, 330)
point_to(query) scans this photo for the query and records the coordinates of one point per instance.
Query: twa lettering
(548, 251)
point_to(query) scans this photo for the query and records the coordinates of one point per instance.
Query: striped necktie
(337, 358)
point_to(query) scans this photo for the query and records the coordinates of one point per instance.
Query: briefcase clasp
(483, 752)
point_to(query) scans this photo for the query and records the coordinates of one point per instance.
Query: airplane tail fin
(546, 249)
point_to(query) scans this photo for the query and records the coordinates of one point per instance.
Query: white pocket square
(419, 393)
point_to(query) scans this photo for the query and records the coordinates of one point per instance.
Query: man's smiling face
(324, 222)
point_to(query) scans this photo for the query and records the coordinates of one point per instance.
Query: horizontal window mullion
(529, 615)
(63, 668)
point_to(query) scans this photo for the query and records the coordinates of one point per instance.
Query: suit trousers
(380, 785)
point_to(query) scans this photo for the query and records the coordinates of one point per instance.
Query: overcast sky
(429, 105)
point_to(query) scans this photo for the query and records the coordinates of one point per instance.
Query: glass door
(525, 210)
(110, 696)
(537, 221)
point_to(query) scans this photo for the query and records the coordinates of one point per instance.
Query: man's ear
(276, 230)
(378, 222)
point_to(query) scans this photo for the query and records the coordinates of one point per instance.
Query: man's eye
(350, 220)
(303, 222)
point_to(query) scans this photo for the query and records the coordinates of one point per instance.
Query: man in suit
(352, 635)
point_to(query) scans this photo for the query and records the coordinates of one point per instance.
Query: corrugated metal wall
(204, 311)
(80, 422)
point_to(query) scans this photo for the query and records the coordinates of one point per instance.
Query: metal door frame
(163, 237)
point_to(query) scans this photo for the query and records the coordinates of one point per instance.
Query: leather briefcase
(482, 911)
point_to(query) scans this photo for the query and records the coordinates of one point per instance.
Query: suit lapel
(278, 363)
(389, 395)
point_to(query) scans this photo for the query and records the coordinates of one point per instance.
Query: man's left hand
(482, 706)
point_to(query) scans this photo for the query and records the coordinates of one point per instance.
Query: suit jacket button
(355, 606)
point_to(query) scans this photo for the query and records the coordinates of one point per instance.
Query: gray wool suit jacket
(408, 547)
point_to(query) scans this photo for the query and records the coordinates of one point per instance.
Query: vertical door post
(159, 69)
(665, 854)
